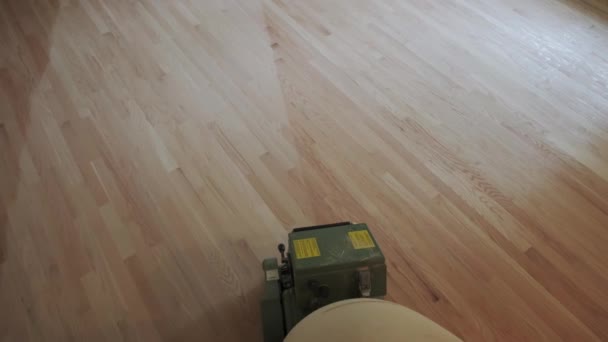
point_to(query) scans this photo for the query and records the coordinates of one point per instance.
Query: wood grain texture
(153, 152)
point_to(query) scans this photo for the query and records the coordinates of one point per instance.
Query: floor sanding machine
(328, 286)
(324, 264)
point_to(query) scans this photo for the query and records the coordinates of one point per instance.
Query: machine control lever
(281, 248)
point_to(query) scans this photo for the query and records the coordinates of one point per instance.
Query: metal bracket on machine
(365, 281)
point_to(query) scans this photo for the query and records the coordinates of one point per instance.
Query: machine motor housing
(324, 264)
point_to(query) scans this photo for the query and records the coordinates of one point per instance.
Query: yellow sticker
(306, 248)
(361, 239)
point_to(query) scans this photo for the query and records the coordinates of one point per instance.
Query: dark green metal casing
(272, 310)
(336, 266)
(326, 264)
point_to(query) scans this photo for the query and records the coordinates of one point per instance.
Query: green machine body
(324, 264)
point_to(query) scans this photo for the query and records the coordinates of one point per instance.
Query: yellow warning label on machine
(306, 248)
(361, 239)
